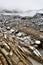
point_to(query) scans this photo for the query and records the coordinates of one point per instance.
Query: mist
(21, 4)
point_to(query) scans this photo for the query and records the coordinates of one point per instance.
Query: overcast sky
(21, 4)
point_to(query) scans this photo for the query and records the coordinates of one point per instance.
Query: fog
(21, 4)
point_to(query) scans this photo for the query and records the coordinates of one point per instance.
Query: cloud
(22, 4)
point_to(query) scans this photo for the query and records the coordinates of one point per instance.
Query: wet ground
(12, 31)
